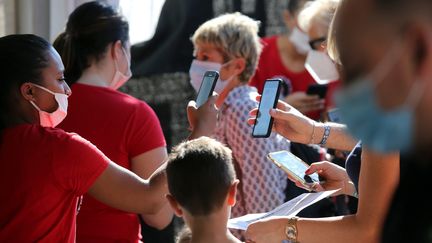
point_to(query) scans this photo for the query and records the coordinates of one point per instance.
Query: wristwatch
(291, 230)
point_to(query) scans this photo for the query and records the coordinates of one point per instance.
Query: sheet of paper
(290, 209)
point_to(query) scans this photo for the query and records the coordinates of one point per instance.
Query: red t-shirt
(270, 66)
(43, 171)
(122, 127)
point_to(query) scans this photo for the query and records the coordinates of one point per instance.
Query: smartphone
(293, 166)
(270, 95)
(207, 86)
(317, 89)
(334, 116)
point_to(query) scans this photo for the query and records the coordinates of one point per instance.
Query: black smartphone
(317, 89)
(334, 116)
(270, 95)
(207, 86)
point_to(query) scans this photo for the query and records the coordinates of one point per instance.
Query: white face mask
(119, 78)
(300, 41)
(197, 70)
(53, 119)
(321, 67)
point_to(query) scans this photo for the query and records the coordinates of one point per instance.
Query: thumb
(315, 167)
(279, 114)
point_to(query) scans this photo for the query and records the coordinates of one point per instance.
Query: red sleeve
(145, 132)
(77, 163)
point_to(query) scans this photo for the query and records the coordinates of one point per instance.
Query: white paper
(289, 209)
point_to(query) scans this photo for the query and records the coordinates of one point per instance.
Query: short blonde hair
(236, 35)
(332, 45)
(319, 12)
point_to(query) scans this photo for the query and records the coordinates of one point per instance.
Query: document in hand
(290, 209)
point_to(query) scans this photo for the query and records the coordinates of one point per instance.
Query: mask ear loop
(415, 94)
(386, 63)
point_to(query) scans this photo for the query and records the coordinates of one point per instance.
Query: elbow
(158, 224)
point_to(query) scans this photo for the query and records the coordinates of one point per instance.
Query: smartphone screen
(293, 165)
(317, 89)
(207, 86)
(269, 98)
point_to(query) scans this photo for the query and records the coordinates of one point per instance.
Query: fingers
(318, 167)
(192, 104)
(251, 121)
(280, 114)
(258, 98)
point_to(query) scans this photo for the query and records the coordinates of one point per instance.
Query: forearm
(339, 137)
(337, 230)
(159, 220)
(124, 190)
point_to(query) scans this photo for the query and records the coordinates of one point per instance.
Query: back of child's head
(200, 173)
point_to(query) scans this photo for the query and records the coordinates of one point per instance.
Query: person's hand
(305, 103)
(267, 230)
(334, 177)
(202, 120)
(288, 122)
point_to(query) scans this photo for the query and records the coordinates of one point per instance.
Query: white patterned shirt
(262, 182)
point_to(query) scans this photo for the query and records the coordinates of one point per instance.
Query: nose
(67, 89)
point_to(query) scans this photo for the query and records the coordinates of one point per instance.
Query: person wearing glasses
(286, 56)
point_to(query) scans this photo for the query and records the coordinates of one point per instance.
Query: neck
(97, 75)
(232, 85)
(211, 228)
(23, 113)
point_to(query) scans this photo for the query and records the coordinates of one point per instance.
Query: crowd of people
(81, 161)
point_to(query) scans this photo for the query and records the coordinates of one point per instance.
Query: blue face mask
(380, 130)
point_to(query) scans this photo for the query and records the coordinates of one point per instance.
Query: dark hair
(200, 173)
(22, 58)
(90, 29)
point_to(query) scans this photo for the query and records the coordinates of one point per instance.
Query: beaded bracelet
(326, 135)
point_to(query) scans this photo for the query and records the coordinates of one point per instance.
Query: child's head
(201, 177)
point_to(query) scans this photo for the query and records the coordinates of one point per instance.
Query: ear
(27, 91)
(239, 65)
(423, 52)
(289, 19)
(174, 205)
(116, 50)
(232, 192)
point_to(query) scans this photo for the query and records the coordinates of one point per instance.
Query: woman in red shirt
(43, 170)
(96, 51)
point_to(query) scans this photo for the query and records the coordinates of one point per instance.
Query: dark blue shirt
(353, 164)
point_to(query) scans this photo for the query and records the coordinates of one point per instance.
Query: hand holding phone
(294, 167)
(207, 86)
(317, 89)
(270, 95)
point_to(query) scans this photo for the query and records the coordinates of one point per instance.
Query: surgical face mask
(119, 78)
(47, 119)
(300, 40)
(380, 130)
(197, 70)
(321, 67)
